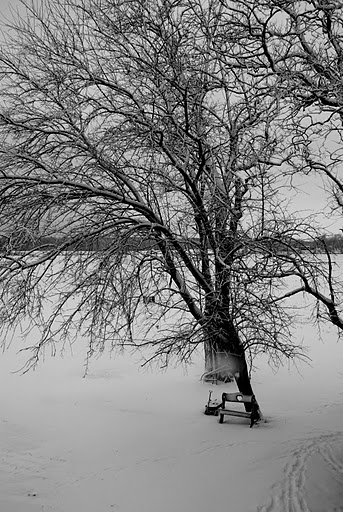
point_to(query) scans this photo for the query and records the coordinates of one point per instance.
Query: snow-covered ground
(124, 439)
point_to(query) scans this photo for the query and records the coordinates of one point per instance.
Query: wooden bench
(253, 416)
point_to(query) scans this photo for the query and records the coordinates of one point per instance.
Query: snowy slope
(127, 440)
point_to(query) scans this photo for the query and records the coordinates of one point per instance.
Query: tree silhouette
(149, 142)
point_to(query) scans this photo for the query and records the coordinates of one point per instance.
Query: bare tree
(301, 45)
(295, 49)
(142, 183)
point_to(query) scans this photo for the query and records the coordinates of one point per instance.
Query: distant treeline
(46, 243)
(333, 243)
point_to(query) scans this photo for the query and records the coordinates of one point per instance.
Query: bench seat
(234, 412)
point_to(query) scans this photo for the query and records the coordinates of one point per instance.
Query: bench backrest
(236, 397)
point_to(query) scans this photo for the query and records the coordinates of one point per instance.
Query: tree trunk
(225, 353)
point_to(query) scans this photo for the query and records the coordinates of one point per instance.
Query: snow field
(130, 440)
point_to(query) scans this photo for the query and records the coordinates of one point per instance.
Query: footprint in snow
(289, 494)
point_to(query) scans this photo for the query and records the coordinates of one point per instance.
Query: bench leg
(221, 418)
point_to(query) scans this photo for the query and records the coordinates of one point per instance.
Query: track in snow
(288, 495)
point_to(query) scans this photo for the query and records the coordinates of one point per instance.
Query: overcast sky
(311, 197)
(5, 7)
